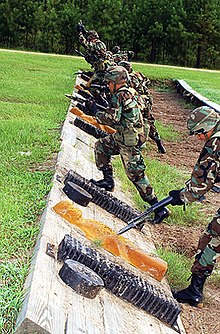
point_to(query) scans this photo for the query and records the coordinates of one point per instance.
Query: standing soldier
(203, 122)
(95, 52)
(124, 115)
(140, 83)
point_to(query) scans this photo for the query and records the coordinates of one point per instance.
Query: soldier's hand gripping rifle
(146, 214)
(81, 28)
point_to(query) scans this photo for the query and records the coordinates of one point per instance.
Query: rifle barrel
(134, 222)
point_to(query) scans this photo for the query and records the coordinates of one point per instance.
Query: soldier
(119, 55)
(140, 83)
(96, 53)
(95, 49)
(124, 115)
(203, 122)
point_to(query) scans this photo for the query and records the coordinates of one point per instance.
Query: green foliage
(205, 82)
(160, 31)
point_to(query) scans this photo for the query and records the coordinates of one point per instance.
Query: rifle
(80, 53)
(83, 100)
(143, 216)
(102, 88)
(98, 98)
(83, 76)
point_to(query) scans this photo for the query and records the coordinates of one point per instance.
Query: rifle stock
(139, 219)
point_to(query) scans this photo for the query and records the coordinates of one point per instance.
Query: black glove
(160, 146)
(80, 28)
(176, 197)
(91, 106)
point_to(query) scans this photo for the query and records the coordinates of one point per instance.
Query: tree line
(178, 32)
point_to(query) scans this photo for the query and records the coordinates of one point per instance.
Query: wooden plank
(52, 307)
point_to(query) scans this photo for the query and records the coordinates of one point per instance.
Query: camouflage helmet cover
(116, 74)
(126, 64)
(202, 120)
(115, 49)
(92, 34)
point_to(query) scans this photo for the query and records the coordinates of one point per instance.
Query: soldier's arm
(101, 49)
(204, 173)
(83, 40)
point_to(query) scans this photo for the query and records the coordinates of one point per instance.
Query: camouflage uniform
(205, 174)
(125, 116)
(140, 83)
(122, 56)
(95, 52)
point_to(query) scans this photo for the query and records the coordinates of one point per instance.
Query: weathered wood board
(52, 307)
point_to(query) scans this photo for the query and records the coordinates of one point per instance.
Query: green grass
(32, 109)
(163, 177)
(205, 82)
(178, 268)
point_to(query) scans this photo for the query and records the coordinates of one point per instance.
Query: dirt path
(169, 108)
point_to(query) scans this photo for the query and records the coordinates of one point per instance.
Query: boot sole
(199, 305)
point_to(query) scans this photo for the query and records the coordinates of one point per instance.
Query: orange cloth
(109, 240)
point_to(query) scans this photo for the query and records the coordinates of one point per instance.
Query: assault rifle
(158, 142)
(83, 75)
(83, 100)
(88, 56)
(80, 53)
(146, 215)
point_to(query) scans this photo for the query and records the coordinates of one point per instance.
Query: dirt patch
(169, 108)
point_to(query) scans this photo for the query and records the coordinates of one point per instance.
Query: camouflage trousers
(208, 248)
(132, 160)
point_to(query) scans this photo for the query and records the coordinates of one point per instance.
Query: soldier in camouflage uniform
(140, 83)
(203, 122)
(119, 55)
(95, 49)
(96, 53)
(124, 115)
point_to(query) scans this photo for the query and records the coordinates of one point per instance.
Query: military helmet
(115, 49)
(116, 74)
(126, 64)
(202, 120)
(92, 34)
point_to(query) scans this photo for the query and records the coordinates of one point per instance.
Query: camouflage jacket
(95, 52)
(120, 56)
(139, 82)
(206, 171)
(124, 115)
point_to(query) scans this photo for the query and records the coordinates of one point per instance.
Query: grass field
(32, 109)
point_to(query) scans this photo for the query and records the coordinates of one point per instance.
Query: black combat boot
(160, 146)
(160, 214)
(193, 294)
(107, 182)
